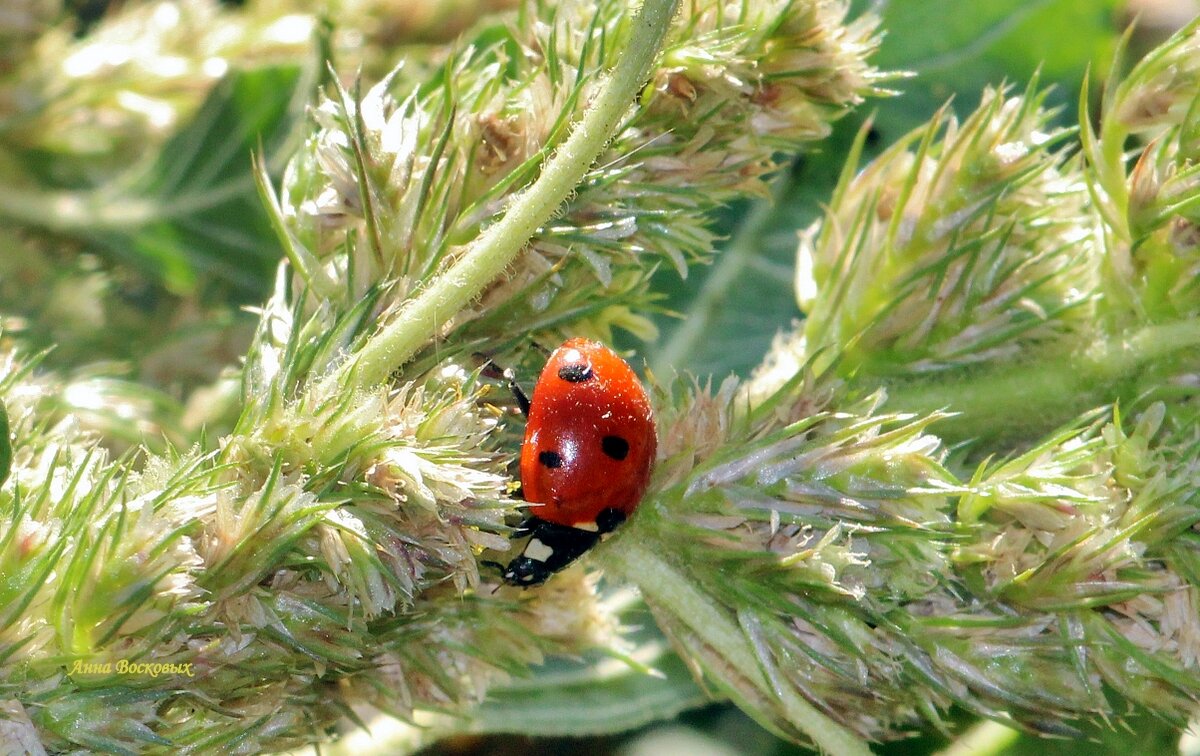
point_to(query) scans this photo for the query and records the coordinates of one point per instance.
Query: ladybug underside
(552, 547)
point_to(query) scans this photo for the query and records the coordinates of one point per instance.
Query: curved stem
(421, 317)
(638, 562)
(1050, 389)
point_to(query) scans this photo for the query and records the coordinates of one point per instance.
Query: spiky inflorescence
(1062, 580)
(962, 243)
(395, 187)
(276, 595)
(1150, 205)
(833, 558)
(984, 269)
(127, 84)
(323, 555)
(102, 104)
(143, 68)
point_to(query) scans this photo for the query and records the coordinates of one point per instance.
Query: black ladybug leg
(522, 400)
(527, 526)
(609, 519)
(494, 371)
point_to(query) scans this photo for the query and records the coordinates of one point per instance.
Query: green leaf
(598, 695)
(1142, 732)
(195, 215)
(956, 48)
(587, 698)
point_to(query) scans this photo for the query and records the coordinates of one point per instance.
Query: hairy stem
(420, 318)
(639, 562)
(1049, 389)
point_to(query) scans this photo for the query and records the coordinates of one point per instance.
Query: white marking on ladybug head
(538, 551)
(590, 527)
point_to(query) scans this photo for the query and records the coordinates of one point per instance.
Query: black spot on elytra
(550, 459)
(615, 447)
(575, 373)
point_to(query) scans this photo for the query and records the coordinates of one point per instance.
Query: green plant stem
(419, 319)
(74, 212)
(983, 739)
(637, 560)
(1049, 388)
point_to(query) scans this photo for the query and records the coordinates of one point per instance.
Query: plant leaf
(195, 211)
(598, 695)
(961, 47)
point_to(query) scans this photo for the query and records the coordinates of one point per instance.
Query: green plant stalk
(986, 738)
(639, 563)
(79, 212)
(420, 318)
(1044, 387)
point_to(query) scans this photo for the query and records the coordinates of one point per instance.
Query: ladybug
(589, 447)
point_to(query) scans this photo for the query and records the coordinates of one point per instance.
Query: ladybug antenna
(499, 567)
(497, 373)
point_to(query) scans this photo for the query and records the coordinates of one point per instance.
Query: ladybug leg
(526, 527)
(522, 399)
(494, 371)
(608, 520)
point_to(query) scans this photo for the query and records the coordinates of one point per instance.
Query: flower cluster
(962, 243)
(1149, 210)
(834, 567)
(847, 546)
(849, 568)
(412, 173)
(327, 553)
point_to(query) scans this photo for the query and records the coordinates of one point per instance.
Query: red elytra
(590, 439)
